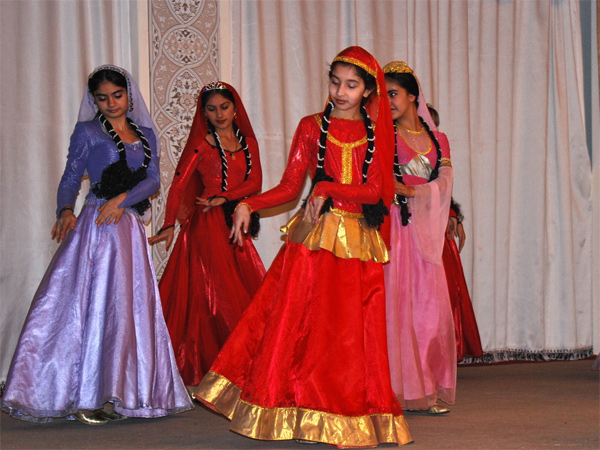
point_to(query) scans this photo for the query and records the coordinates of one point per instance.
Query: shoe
(112, 415)
(304, 441)
(89, 417)
(437, 409)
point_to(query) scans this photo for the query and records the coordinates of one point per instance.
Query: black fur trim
(320, 175)
(374, 214)
(118, 178)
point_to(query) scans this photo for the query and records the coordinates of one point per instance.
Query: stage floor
(542, 405)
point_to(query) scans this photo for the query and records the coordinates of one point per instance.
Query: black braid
(435, 172)
(320, 174)
(118, 177)
(230, 205)
(455, 206)
(373, 212)
(242, 140)
(401, 199)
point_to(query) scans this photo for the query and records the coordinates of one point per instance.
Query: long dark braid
(230, 205)
(320, 174)
(401, 199)
(118, 177)
(373, 212)
(436, 170)
(224, 168)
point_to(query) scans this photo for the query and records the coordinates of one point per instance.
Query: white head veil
(138, 112)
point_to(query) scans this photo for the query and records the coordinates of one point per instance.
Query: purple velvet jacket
(91, 150)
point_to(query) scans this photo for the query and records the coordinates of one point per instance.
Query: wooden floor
(543, 405)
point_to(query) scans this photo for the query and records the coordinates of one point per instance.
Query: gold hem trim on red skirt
(285, 423)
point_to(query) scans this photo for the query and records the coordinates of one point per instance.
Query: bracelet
(65, 208)
(245, 204)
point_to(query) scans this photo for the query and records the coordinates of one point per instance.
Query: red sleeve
(303, 144)
(370, 192)
(188, 162)
(254, 182)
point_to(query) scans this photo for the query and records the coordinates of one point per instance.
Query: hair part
(112, 76)
(207, 95)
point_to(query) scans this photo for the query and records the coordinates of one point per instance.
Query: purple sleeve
(150, 184)
(76, 163)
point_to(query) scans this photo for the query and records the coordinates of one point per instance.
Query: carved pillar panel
(184, 57)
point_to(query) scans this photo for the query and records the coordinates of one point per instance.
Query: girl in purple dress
(94, 346)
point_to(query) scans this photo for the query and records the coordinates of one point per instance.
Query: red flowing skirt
(207, 285)
(468, 342)
(309, 359)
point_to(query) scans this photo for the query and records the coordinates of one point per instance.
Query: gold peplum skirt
(343, 233)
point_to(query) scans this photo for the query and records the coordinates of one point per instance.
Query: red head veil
(198, 133)
(378, 108)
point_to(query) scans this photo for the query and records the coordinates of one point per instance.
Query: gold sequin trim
(347, 148)
(343, 213)
(446, 162)
(356, 62)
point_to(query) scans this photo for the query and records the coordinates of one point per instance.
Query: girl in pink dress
(421, 340)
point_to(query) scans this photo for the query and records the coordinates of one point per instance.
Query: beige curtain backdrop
(507, 79)
(505, 76)
(47, 50)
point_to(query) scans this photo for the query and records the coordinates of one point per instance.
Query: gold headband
(397, 67)
(356, 62)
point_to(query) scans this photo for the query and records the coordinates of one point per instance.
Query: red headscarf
(198, 133)
(378, 108)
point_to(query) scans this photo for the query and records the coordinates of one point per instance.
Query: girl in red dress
(308, 361)
(208, 283)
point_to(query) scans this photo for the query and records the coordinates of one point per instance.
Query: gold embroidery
(446, 162)
(358, 63)
(347, 148)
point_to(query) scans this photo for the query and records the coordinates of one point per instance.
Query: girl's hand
(461, 235)
(451, 228)
(313, 209)
(65, 222)
(210, 202)
(402, 189)
(241, 222)
(167, 234)
(110, 211)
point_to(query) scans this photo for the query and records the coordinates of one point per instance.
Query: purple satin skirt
(95, 331)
